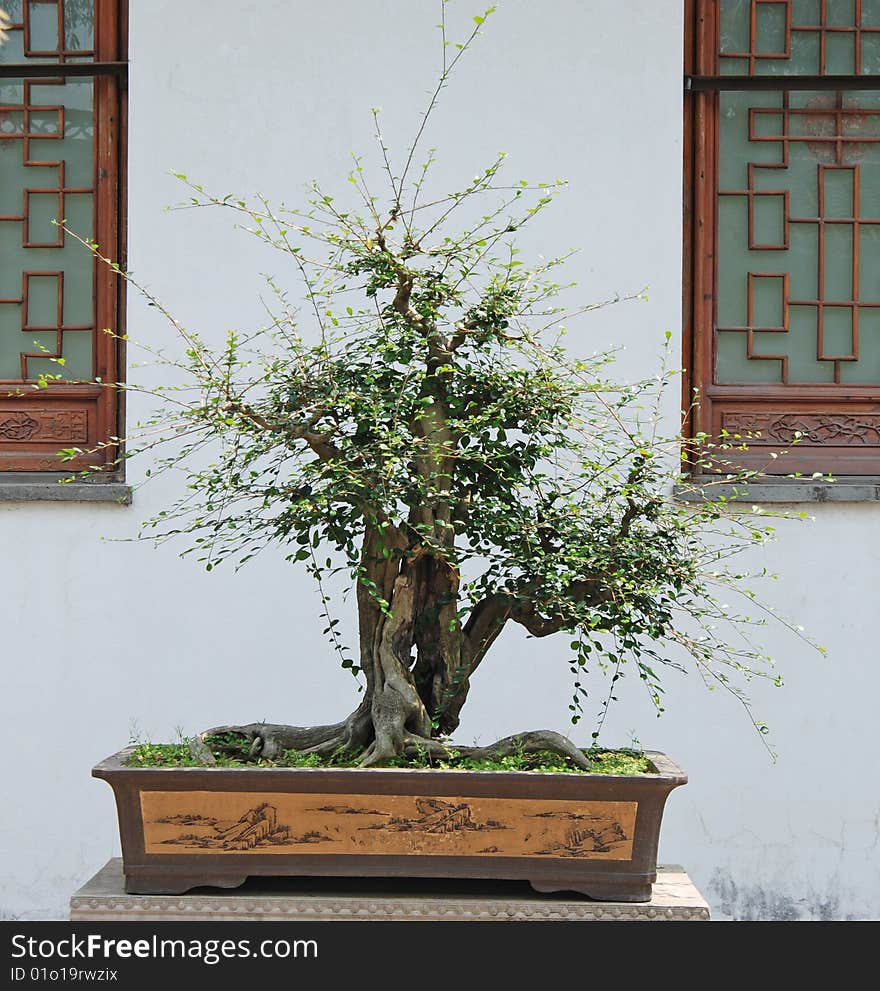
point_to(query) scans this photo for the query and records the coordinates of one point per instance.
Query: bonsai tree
(420, 426)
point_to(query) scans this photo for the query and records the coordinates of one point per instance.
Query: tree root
(200, 752)
(270, 740)
(536, 741)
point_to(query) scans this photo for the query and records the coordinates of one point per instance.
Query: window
(783, 229)
(62, 126)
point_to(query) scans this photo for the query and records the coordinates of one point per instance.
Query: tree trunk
(404, 603)
(438, 639)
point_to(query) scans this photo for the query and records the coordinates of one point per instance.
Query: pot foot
(597, 890)
(178, 884)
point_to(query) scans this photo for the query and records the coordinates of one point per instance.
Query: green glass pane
(770, 36)
(78, 355)
(869, 192)
(871, 14)
(837, 331)
(768, 125)
(44, 292)
(870, 54)
(869, 261)
(734, 67)
(769, 220)
(79, 25)
(765, 344)
(735, 19)
(42, 211)
(79, 266)
(805, 12)
(10, 275)
(799, 345)
(839, 185)
(48, 201)
(11, 341)
(13, 49)
(865, 371)
(733, 364)
(44, 28)
(733, 261)
(10, 366)
(802, 261)
(768, 301)
(840, 13)
(11, 95)
(78, 360)
(838, 261)
(840, 54)
(806, 54)
(865, 100)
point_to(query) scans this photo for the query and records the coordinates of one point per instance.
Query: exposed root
(270, 740)
(380, 743)
(532, 743)
(537, 741)
(416, 746)
(200, 752)
(390, 710)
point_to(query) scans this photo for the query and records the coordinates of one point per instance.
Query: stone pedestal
(103, 899)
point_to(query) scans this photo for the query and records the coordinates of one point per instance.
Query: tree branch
(491, 614)
(317, 440)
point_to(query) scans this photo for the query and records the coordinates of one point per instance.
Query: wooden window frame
(764, 411)
(40, 421)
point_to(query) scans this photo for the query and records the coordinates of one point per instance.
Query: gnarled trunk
(407, 602)
(406, 693)
(439, 641)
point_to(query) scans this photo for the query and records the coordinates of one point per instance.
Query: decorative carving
(437, 817)
(588, 834)
(19, 426)
(774, 428)
(64, 426)
(243, 823)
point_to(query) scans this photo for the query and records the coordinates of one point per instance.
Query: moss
(232, 752)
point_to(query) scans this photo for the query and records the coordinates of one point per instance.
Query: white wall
(99, 633)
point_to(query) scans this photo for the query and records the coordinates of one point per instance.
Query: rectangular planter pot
(595, 834)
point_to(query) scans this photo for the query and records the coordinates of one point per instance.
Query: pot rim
(667, 770)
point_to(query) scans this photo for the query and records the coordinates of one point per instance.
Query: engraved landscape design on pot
(265, 823)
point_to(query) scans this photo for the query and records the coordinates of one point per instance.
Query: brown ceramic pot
(595, 834)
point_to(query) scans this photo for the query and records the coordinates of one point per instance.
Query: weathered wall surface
(101, 633)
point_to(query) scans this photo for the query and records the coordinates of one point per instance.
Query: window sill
(26, 487)
(852, 488)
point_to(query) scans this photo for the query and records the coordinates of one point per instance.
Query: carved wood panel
(250, 822)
